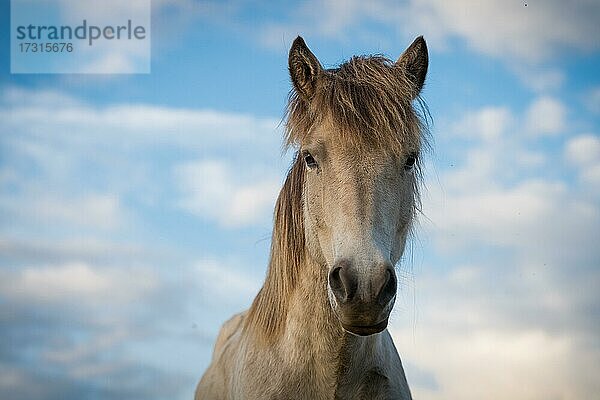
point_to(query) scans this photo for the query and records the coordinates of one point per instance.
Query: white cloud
(499, 193)
(510, 303)
(546, 116)
(488, 123)
(592, 176)
(513, 327)
(109, 56)
(529, 364)
(327, 18)
(513, 30)
(539, 79)
(539, 218)
(212, 190)
(113, 62)
(226, 282)
(110, 12)
(524, 35)
(101, 211)
(82, 352)
(133, 124)
(494, 152)
(14, 96)
(76, 282)
(519, 315)
(584, 152)
(510, 30)
(66, 140)
(82, 184)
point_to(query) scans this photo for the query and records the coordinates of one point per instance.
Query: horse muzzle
(363, 300)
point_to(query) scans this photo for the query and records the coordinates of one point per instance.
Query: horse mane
(369, 100)
(269, 308)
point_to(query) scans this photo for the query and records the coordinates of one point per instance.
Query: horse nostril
(388, 289)
(334, 279)
(343, 282)
(336, 284)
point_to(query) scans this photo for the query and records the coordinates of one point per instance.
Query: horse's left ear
(415, 61)
(304, 68)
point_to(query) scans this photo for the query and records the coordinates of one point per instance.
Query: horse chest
(370, 385)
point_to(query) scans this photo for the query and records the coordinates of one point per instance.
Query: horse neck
(310, 316)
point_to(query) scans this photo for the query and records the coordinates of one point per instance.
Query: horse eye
(411, 160)
(309, 160)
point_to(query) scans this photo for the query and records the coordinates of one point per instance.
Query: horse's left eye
(309, 160)
(411, 160)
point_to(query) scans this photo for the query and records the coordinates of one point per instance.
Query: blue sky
(136, 209)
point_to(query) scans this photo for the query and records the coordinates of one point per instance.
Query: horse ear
(415, 61)
(304, 68)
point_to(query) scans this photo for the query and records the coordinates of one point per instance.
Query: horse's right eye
(309, 160)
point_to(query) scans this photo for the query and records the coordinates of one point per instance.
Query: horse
(317, 329)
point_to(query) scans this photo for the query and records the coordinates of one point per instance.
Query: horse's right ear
(304, 68)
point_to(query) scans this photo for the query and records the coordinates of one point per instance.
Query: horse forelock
(369, 102)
